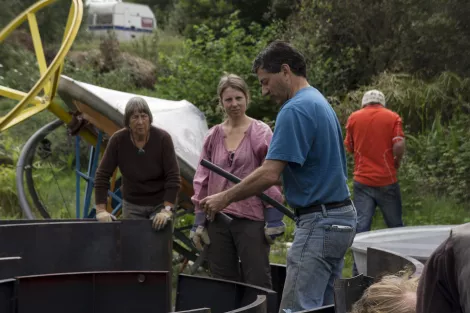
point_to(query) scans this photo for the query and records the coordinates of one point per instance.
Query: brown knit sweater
(147, 179)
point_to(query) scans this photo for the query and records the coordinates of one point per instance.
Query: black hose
(236, 180)
(24, 169)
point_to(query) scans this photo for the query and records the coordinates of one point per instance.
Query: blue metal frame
(89, 177)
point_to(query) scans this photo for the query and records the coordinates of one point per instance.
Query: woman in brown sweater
(146, 158)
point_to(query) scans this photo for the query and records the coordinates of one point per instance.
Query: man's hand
(199, 234)
(102, 215)
(398, 152)
(396, 162)
(161, 219)
(214, 204)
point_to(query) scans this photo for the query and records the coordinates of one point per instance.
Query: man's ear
(285, 69)
(286, 73)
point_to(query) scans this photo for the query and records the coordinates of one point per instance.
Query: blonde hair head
(235, 82)
(392, 294)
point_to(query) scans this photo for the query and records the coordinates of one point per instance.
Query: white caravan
(88, 2)
(127, 20)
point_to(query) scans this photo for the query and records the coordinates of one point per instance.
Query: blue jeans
(367, 198)
(316, 257)
(387, 198)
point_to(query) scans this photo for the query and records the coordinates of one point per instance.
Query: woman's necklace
(141, 151)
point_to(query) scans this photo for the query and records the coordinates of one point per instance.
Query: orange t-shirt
(370, 135)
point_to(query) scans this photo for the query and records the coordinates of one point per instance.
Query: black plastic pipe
(236, 180)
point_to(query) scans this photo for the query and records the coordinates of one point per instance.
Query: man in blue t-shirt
(307, 152)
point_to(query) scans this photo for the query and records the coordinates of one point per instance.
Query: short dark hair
(136, 104)
(277, 53)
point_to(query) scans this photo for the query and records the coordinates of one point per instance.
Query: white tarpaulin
(184, 121)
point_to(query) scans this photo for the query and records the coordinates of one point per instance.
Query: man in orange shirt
(375, 136)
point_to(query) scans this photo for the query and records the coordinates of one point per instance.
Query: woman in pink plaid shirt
(239, 251)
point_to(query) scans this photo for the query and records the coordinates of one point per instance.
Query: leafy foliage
(419, 102)
(51, 20)
(349, 42)
(195, 73)
(16, 68)
(215, 14)
(8, 199)
(439, 159)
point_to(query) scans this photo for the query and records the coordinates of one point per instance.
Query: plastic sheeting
(181, 119)
(415, 241)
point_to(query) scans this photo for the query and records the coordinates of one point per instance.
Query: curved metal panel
(9, 267)
(104, 292)
(418, 242)
(81, 246)
(42, 221)
(219, 295)
(278, 277)
(259, 306)
(349, 290)
(7, 296)
(202, 310)
(382, 262)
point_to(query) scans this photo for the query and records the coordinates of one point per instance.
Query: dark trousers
(387, 198)
(240, 243)
(139, 212)
(367, 198)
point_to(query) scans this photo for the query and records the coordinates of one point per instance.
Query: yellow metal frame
(49, 75)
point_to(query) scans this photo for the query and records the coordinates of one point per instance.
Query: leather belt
(318, 207)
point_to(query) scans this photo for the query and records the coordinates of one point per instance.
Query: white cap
(373, 96)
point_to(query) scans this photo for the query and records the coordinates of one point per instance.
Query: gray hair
(136, 104)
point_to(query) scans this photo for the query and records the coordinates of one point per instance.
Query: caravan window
(147, 22)
(104, 19)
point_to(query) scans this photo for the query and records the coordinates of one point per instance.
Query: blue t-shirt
(308, 136)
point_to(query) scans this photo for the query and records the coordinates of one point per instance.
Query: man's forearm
(252, 185)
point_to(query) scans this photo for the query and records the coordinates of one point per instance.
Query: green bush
(418, 101)
(195, 73)
(9, 155)
(439, 159)
(18, 68)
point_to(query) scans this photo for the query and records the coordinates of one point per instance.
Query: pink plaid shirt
(248, 156)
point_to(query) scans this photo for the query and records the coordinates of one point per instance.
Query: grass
(147, 47)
